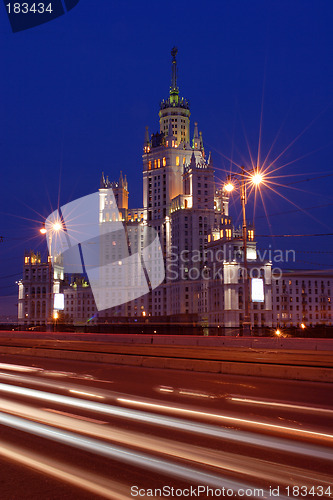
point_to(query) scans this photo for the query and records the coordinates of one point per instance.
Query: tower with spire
(167, 153)
(175, 110)
(178, 197)
(181, 202)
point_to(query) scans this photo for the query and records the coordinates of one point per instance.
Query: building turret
(119, 189)
(121, 180)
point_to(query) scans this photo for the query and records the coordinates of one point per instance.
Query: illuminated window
(195, 145)
(209, 238)
(221, 233)
(177, 161)
(149, 165)
(155, 163)
(173, 143)
(251, 234)
(183, 160)
(26, 260)
(158, 163)
(228, 233)
(164, 162)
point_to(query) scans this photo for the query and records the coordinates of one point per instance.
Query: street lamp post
(256, 178)
(247, 318)
(54, 227)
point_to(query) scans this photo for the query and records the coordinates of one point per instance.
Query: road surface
(77, 430)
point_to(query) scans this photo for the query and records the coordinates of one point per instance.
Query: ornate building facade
(183, 204)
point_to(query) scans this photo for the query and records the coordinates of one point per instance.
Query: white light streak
(281, 405)
(191, 393)
(227, 419)
(138, 459)
(165, 389)
(173, 423)
(261, 469)
(18, 368)
(89, 394)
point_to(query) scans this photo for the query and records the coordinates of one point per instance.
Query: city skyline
(77, 147)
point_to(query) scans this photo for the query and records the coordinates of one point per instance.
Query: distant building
(302, 297)
(226, 288)
(80, 307)
(37, 288)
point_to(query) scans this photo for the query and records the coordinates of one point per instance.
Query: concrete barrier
(256, 369)
(182, 340)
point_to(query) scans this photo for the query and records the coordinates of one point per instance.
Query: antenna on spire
(174, 91)
(174, 52)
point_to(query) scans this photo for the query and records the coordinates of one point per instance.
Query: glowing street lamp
(56, 226)
(229, 187)
(255, 179)
(53, 228)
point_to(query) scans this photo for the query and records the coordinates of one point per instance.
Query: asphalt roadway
(72, 429)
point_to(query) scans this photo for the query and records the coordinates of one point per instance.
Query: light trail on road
(170, 437)
(138, 459)
(280, 404)
(174, 423)
(261, 469)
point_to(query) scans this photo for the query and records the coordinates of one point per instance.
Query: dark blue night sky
(77, 93)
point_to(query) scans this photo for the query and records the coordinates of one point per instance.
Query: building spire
(174, 87)
(196, 140)
(174, 91)
(146, 145)
(201, 144)
(102, 184)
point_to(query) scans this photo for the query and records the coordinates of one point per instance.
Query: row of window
(296, 291)
(302, 282)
